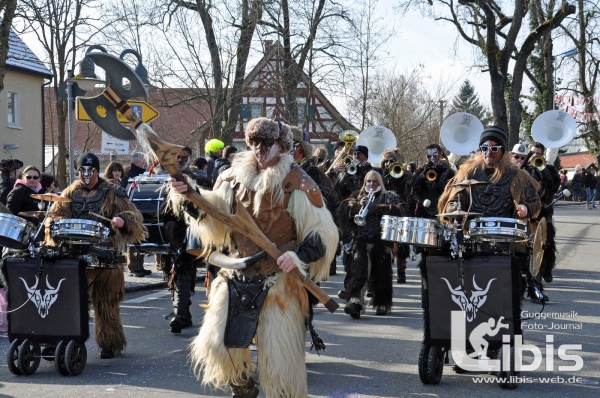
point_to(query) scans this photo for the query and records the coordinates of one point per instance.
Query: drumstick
(100, 217)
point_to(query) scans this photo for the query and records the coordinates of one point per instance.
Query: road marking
(147, 297)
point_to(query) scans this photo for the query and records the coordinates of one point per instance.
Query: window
(256, 110)
(14, 109)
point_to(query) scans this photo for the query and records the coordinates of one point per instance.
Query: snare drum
(412, 231)
(79, 231)
(497, 229)
(15, 232)
(148, 195)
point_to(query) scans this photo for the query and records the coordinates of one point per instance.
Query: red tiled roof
(570, 160)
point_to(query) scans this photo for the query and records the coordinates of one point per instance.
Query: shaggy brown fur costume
(107, 285)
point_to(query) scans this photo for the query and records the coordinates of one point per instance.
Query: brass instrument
(396, 170)
(361, 218)
(538, 162)
(431, 175)
(349, 137)
(352, 167)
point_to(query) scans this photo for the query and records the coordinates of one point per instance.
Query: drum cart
(479, 279)
(47, 300)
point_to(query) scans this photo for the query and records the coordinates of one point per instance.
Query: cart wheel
(29, 357)
(435, 364)
(13, 357)
(59, 358)
(423, 354)
(507, 374)
(75, 357)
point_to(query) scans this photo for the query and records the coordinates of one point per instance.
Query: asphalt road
(370, 357)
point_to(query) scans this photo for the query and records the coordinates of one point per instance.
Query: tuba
(349, 137)
(553, 129)
(377, 139)
(460, 134)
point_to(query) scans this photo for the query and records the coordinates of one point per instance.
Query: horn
(460, 133)
(377, 139)
(554, 129)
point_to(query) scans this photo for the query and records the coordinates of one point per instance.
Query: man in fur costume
(287, 206)
(90, 193)
(371, 257)
(511, 192)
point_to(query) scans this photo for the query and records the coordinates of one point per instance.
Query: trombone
(349, 137)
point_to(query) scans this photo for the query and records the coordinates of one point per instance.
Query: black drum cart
(478, 278)
(47, 303)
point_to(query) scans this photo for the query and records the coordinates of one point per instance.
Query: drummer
(501, 189)
(509, 192)
(91, 194)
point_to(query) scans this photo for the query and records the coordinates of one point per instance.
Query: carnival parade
(287, 252)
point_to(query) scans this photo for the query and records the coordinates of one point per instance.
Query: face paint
(433, 155)
(183, 160)
(87, 172)
(264, 150)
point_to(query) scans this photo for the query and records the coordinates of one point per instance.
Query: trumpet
(352, 167)
(349, 137)
(431, 175)
(361, 218)
(538, 162)
(396, 170)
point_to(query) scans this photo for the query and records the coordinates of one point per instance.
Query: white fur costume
(280, 336)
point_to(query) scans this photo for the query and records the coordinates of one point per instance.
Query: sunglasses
(34, 177)
(518, 157)
(493, 148)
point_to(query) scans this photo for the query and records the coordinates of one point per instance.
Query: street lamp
(140, 69)
(569, 53)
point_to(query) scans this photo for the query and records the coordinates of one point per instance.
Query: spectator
(214, 150)
(138, 166)
(202, 179)
(19, 199)
(49, 183)
(576, 184)
(224, 162)
(8, 174)
(589, 183)
(114, 172)
(564, 181)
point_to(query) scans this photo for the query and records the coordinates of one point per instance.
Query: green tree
(467, 100)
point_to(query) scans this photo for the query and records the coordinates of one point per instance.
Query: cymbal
(36, 214)
(458, 213)
(468, 183)
(538, 248)
(50, 197)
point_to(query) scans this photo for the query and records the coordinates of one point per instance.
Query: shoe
(353, 309)
(251, 393)
(343, 295)
(141, 273)
(106, 353)
(401, 277)
(382, 310)
(177, 324)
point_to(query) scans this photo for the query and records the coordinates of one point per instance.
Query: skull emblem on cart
(471, 305)
(45, 301)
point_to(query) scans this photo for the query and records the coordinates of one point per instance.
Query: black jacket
(133, 172)
(19, 199)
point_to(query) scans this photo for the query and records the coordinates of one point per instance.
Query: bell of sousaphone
(377, 139)
(460, 133)
(554, 128)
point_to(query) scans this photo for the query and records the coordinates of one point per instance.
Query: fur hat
(10, 164)
(519, 149)
(389, 154)
(494, 133)
(297, 133)
(362, 149)
(321, 153)
(88, 159)
(263, 127)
